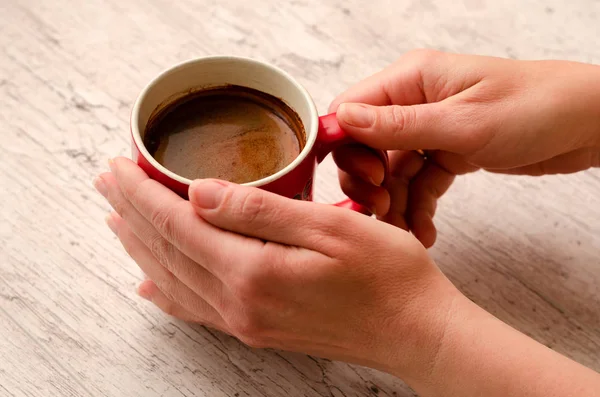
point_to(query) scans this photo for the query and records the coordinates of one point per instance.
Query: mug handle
(330, 137)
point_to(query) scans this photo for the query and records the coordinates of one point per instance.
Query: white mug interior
(216, 71)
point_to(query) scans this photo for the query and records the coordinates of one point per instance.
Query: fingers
(361, 174)
(168, 225)
(360, 161)
(428, 185)
(426, 188)
(195, 276)
(404, 166)
(422, 226)
(267, 216)
(149, 291)
(172, 289)
(375, 198)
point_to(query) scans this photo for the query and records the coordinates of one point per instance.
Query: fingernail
(100, 186)
(356, 115)
(111, 164)
(111, 223)
(208, 193)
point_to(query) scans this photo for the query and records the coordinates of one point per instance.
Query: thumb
(400, 127)
(267, 216)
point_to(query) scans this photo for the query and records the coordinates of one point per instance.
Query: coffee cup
(322, 134)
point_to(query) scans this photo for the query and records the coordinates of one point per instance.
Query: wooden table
(526, 249)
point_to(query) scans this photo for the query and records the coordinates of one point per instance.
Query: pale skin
(313, 278)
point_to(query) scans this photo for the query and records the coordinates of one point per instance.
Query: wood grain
(526, 249)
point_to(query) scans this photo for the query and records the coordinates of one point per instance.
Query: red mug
(323, 134)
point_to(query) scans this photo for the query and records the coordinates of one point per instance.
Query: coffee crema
(231, 133)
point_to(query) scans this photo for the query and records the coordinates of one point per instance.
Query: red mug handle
(330, 137)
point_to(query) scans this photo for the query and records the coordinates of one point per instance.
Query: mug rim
(310, 130)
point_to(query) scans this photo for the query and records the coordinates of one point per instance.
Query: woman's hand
(466, 112)
(322, 280)
(283, 273)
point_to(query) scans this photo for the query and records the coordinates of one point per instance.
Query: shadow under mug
(323, 134)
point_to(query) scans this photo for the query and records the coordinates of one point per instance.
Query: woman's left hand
(282, 273)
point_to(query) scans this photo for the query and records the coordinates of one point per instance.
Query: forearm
(481, 356)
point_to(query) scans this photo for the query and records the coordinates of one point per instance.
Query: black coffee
(231, 133)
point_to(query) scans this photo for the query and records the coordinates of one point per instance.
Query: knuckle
(251, 206)
(168, 220)
(246, 286)
(254, 280)
(162, 219)
(160, 249)
(167, 285)
(400, 118)
(248, 329)
(326, 236)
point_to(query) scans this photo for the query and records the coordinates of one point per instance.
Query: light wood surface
(526, 249)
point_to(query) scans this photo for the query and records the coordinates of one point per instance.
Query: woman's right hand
(466, 112)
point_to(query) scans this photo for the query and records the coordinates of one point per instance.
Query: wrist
(569, 103)
(415, 334)
(480, 355)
